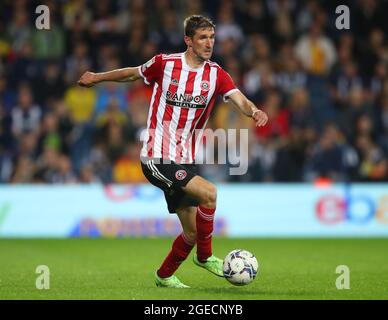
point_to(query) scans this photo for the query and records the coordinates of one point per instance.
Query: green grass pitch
(124, 269)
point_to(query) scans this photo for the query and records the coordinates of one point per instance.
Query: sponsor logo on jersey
(180, 174)
(186, 100)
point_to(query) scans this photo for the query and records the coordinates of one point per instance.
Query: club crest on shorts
(180, 174)
(205, 85)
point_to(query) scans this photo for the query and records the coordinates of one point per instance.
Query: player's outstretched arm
(89, 79)
(248, 108)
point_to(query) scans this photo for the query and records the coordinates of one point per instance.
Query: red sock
(205, 217)
(181, 248)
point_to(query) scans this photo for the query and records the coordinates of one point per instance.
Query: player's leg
(206, 194)
(184, 188)
(187, 217)
(204, 191)
(181, 248)
(183, 244)
(161, 177)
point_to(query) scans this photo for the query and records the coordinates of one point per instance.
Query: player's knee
(213, 194)
(210, 198)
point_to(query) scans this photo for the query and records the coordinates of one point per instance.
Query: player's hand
(260, 117)
(88, 79)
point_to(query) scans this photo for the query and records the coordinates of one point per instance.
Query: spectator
(19, 30)
(377, 80)
(49, 135)
(26, 115)
(108, 93)
(24, 170)
(7, 94)
(46, 166)
(290, 157)
(316, 51)
(24, 69)
(77, 60)
(374, 166)
(49, 44)
(87, 175)
(255, 17)
(291, 77)
(127, 168)
(381, 121)
(64, 173)
(347, 80)
(111, 116)
(281, 52)
(114, 142)
(327, 157)
(301, 113)
(6, 139)
(50, 86)
(65, 125)
(354, 108)
(227, 27)
(278, 118)
(169, 37)
(81, 103)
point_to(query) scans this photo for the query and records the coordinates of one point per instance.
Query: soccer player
(185, 86)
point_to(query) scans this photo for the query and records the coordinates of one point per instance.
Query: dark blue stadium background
(325, 90)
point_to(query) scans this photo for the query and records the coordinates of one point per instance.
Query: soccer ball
(240, 267)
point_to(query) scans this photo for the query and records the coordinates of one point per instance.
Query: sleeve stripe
(226, 95)
(142, 75)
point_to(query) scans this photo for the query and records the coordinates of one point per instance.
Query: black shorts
(171, 177)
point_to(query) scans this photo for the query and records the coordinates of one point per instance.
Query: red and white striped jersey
(181, 103)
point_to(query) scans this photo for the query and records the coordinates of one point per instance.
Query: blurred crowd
(325, 90)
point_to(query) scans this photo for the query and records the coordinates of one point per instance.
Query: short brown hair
(195, 22)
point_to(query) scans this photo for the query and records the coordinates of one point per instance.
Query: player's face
(203, 43)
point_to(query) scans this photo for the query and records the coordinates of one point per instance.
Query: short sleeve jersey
(181, 103)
